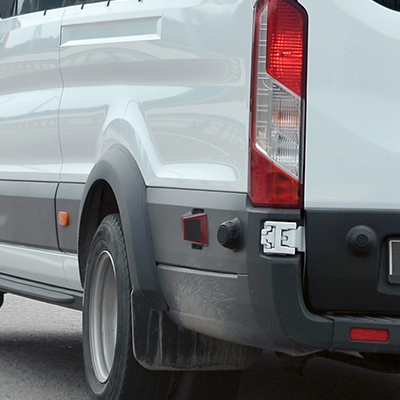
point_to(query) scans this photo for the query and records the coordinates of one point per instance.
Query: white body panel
(33, 264)
(169, 81)
(178, 99)
(30, 90)
(352, 155)
(51, 267)
(71, 271)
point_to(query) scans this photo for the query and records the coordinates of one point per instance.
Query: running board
(42, 292)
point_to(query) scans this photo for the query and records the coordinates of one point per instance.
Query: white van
(205, 179)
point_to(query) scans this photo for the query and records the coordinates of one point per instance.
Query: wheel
(111, 370)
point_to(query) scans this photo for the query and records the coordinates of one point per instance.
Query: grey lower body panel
(232, 295)
(214, 304)
(27, 214)
(69, 197)
(245, 297)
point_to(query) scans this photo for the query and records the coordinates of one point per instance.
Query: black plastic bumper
(277, 293)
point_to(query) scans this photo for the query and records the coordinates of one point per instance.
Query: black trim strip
(42, 292)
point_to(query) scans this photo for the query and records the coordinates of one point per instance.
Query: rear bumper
(283, 314)
(245, 297)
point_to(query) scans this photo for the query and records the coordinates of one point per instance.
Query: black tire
(111, 370)
(1, 298)
(115, 376)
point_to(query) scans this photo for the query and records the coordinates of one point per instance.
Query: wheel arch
(116, 185)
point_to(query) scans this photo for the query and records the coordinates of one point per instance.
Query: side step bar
(42, 292)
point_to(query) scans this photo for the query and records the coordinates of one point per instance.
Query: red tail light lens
(286, 39)
(265, 174)
(278, 92)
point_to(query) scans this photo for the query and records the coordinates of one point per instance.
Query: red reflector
(286, 41)
(194, 228)
(270, 184)
(369, 335)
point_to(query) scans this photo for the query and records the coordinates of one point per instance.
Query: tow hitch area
(282, 238)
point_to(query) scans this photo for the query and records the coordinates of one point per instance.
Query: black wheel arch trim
(392, 4)
(118, 168)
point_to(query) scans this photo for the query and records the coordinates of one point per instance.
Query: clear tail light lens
(278, 93)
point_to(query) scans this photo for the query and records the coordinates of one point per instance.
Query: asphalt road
(41, 359)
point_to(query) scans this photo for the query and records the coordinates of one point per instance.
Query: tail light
(278, 97)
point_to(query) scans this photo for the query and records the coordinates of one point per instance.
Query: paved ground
(41, 359)
(40, 352)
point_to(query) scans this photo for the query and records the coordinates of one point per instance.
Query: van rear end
(325, 139)
(324, 143)
(352, 148)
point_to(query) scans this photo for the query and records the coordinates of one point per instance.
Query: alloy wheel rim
(103, 316)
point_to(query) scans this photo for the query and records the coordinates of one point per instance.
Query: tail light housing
(278, 103)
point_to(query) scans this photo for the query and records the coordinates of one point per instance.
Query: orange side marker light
(63, 218)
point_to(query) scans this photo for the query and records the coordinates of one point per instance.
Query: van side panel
(30, 155)
(166, 83)
(30, 90)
